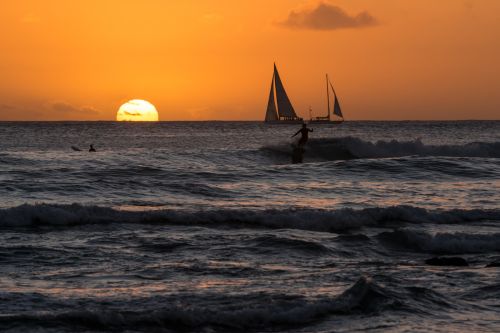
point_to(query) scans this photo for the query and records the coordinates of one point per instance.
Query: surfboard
(75, 148)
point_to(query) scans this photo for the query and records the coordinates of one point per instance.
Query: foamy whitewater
(209, 227)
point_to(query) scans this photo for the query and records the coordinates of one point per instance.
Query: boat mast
(328, 96)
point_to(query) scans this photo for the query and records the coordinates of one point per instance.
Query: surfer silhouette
(298, 150)
(91, 149)
(304, 131)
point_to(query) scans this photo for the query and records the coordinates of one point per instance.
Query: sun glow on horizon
(213, 60)
(137, 110)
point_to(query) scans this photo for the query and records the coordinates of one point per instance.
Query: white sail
(285, 108)
(271, 113)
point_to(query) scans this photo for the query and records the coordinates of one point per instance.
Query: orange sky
(200, 59)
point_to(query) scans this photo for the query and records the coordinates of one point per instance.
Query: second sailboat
(339, 118)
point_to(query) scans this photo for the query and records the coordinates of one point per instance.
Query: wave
(248, 312)
(293, 218)
(272, 243)
(491, 292)
(161, 245)
(222, 312)
(351, 147)
(442, 243)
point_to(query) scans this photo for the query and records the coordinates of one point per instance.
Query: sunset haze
(213, 60)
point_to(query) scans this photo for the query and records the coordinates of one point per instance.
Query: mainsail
(285, 108)
(271, 113)
(279, 109)
(336, 105)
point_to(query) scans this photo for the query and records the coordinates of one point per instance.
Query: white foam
(352, 147)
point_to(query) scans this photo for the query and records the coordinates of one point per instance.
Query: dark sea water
(209, 227)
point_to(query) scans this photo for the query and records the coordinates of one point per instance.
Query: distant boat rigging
(337, 112)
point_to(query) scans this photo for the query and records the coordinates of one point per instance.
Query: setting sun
(137, 110)
(318, 165)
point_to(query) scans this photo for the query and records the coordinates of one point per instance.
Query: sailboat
(280, 109)
(336, 108)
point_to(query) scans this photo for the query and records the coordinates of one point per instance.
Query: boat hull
(284, 122)
(331, 122)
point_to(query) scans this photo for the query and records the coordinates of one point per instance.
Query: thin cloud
(61, 107)
(7, 107)
(326, 16)
(27, 111)
(128, 113)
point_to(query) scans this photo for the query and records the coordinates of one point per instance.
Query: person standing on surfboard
(305, 134)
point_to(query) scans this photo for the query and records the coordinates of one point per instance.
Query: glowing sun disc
(137, 110)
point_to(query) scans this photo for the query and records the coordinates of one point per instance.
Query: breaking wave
(248, 312)
(352, 147)
(306, 219)
(238, 313)
(276, 243)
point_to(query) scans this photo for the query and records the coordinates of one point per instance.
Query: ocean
(210, 227)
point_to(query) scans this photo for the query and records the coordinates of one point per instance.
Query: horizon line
(225, 120)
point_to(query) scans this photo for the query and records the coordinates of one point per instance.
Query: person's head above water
(304, 125)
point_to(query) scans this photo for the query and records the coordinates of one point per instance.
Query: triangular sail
(336, 105)
(336, 108)
(285, 108)
(328, 97)
(271, 113)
